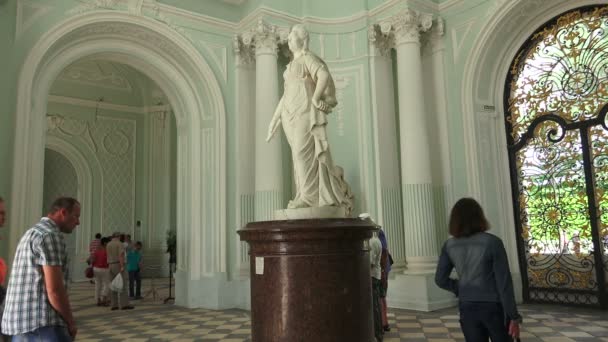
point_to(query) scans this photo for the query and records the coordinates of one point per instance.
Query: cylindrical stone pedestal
(310, 280)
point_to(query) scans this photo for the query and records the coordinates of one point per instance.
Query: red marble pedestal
(310, 280)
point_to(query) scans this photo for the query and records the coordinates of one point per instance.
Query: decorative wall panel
(112, 141)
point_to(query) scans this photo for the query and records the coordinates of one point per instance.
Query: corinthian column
(417, 189)
(383, 102)
(244, 52)
(415, 288)
(268, 162)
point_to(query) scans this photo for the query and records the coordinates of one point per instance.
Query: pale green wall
(457, 17)
(345, 49)
(8, 72)
(60, 179)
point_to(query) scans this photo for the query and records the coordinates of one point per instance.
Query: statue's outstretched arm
(275, 122)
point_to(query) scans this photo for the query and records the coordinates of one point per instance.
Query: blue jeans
(481, 321)
(46, 334)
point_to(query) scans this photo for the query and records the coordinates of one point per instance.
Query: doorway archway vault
(170, 60)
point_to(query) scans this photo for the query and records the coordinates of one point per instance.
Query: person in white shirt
(375, 254)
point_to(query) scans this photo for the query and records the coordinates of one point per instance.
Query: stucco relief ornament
(381, 36)
(243, 49)
(409, 24)
(309, 96)
(93, 5)
(266, 37)
(134, 7)
(53, 122)
(440, 26)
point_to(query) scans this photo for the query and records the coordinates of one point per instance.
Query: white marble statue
(309, 96)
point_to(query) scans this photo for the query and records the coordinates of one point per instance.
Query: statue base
(310, 213)
(310, 278)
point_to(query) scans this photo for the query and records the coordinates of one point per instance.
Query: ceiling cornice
(266, 12)
(179, 12)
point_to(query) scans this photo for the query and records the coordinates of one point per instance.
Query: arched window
(556, 97)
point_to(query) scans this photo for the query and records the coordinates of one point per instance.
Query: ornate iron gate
(556, 97)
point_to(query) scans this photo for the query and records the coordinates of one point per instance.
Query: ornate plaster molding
(134, 7)
(263, 38)
(407, 26)
(383, 41)
(53, 122)
(144, 8)
(243, 49)
(266, 38)
(96, 77)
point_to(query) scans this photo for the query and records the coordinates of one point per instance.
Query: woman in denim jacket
(484, 286)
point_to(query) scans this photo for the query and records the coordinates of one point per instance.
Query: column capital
(267, 37)
(381, 39)
(435, 38)
(262, 39)
(407, 25)
(244, 50)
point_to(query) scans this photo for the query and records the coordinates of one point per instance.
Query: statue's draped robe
(318, 181)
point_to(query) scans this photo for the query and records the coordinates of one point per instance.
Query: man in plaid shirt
(37, 307)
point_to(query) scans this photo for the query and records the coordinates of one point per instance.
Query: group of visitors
(109, 257)
(36, 304)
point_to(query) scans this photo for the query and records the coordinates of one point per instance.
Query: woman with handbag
(484, 286)
(102, 273)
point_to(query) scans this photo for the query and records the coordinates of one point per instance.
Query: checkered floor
(151, 320)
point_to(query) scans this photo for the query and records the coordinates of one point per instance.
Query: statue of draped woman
(308, 97)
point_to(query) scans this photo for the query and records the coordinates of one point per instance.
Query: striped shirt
(27, 306)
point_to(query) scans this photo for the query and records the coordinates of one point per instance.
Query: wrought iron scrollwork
(557, 98)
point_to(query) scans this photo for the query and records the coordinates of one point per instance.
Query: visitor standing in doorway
(117, 265)
(37, 306)
(102, 273)
(484, 286)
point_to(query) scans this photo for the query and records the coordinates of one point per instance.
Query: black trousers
(134, 284)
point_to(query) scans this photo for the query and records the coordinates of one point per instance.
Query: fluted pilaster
(405, 29)
(263, 41)
(381, 42)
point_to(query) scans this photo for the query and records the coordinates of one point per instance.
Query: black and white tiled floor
(151, 320)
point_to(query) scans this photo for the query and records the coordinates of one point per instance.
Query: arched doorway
(85, 172)
(485, 156)
(556, 97)
(174, 64)
(61, 179)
